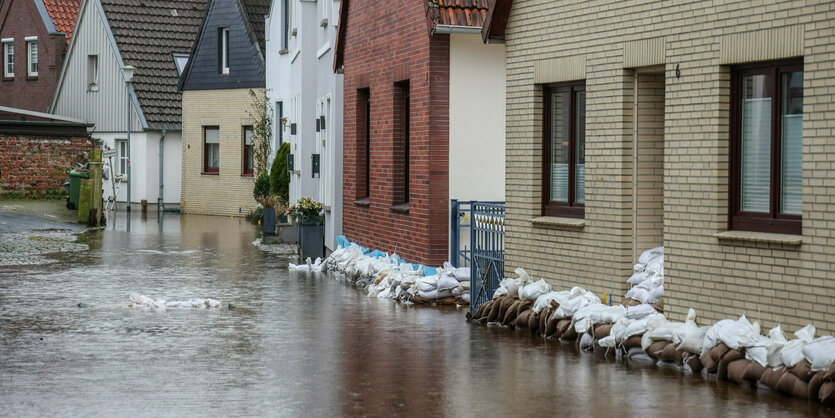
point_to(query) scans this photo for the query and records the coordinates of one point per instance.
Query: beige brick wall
(229, 192)
(769, 281)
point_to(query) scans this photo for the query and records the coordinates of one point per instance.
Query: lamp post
(127, 72)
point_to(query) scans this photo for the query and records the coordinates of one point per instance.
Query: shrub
(279, 176)
(262, 187)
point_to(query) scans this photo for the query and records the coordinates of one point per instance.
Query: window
(32, 54)
(8, 57)
(211, 149)
(564, 150)
(248, 159)
(326, 12)
(364, 144)
(180, 61)
(766, 147)
(402, 113)
(92, 72)
(223, 53)
(279, 108)
(122, 149)
(285, 25)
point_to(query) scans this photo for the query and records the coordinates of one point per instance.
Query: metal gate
(486, 251)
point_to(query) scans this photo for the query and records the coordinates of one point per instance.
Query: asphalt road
(14, 222)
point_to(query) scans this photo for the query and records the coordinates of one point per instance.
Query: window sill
(296, 172)
(558, 222)
(284, 51)
(32, 77)
(363, 202)
(327, 208)
(763, 237)
(8, 78)
(324, 22)
(92, 89)
(210, 173)
(247, 175)
(401, 208)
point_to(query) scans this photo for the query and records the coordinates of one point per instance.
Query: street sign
(109, 153)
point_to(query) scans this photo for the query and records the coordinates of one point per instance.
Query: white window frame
(224, 51)
(326, 6)
(31, 41)
(121, 157)
(8, 52)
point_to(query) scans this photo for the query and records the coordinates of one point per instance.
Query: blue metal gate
(486, 251)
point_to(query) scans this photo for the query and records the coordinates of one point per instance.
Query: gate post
(453, 232)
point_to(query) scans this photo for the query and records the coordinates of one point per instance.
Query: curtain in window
(791, 164)
(213, 148)
(560, 135)
(756, 145)
(248, 145)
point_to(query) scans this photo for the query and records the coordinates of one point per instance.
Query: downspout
(161, 186)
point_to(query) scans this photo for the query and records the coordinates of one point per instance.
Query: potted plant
(307, 213)
(261, 193)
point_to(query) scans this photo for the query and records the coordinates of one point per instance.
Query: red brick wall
(387, 42)
(22, 92)
(38, 163)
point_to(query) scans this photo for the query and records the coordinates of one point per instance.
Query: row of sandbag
(647, 281)
(388, 277)
(732, 349)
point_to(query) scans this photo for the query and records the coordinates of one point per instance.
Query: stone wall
(38, 163)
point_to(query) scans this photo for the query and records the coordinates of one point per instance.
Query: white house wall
(145, 167)
(107, 108)
(304, 81)
(476, 119)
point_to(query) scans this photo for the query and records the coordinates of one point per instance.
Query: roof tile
(63, 14)
(462, 12)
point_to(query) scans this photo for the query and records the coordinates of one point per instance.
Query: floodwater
(294, 345)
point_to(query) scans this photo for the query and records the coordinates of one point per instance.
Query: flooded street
(295, 344)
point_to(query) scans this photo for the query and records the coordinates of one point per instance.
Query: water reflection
(296, 345)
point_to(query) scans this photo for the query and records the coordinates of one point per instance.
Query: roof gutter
(469, 30)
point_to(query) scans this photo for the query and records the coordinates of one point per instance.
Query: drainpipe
(161, 186)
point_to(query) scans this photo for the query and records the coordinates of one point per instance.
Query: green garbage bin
(75, 185)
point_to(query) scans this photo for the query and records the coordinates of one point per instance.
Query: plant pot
(311, 239)
(268, 221)
(283, 219)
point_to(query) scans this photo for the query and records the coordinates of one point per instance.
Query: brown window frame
(247, 170)
(206, 168)
(772, 221)
(569, 209)
(363, 146)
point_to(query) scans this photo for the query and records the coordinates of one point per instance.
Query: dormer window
(180, 61)
(223, 58)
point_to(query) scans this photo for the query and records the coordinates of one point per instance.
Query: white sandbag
(607, 342)
(776, 342)
(657, 293)
(456, 291)
(435, 294)
(734, 334)
(592, 314)
(625, 327)
(656, 266)
(792, 352)
(650, 254)
(586, 341)
(446, 282)
(534, 290)
(651, 283)
(427, 283)
(182, 304)
(639, 311)
(692, 340)
(641, 295)
(465, 297)
(544, 300)
(652, 322)
(464, 285)
(501, 291)
(820, 352)
(462, 274)
(665, 332)
(638, 277)
(510, 287)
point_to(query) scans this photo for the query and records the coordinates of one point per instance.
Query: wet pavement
(296, 344)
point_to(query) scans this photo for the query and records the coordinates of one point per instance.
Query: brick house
(423, 121)
(156, 38)
(34, 35)
(227, 61)
(705, 127)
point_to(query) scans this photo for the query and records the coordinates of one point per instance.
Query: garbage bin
(75, 185)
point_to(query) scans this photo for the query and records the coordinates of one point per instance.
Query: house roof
(460, 12)
(147, 34)
(496, 22)
(63, 14)
(254, 12)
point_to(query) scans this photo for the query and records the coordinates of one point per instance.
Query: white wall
(145, 167)
(303, 79)
(476, 119)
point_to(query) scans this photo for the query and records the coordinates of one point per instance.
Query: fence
(485, 255)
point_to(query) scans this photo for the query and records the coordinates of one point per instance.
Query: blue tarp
(344, 243)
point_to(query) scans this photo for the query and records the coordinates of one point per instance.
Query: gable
(246, 63)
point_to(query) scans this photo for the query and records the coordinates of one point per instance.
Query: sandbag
(522, 319)
(543, 320)
(534, 290)
(820, 353)
(829, 375)
(511, 312)
(656, 348)
(826, 395)
(505, 305)
(494, 312)
(551, 327)
(446, 282)
(815, 384)
(802, 370)
(719, 351)
(729, 357)
(789, 384)
(792, 351)
(533, 322)
(754, 372)
(694, 363)
(586, 342)
(770, 377)
(562, 326)
(671, 355)
(602, 331)
(736, 371)
(479, 313)
(570, 334)
(632, 342)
